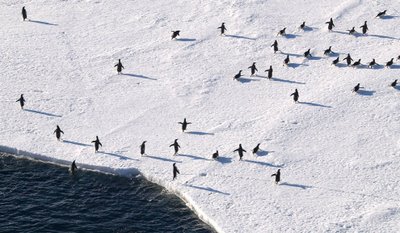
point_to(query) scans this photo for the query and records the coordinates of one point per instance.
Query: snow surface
(338, 151)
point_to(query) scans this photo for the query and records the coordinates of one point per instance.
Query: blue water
(40, 197)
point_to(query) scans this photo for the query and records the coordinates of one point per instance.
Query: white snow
(338, 151)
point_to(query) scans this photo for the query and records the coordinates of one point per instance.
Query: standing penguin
(256, 149)
(253, 68)
(389, 63)
(303, 26)
(238, 75)
(275, 45)
(240, 150)
(372, 63)
(348, 59)
(331, 25)
(73, 167)
(24, 14)
(277, 176)
(184, 124)
(58, 132)
(357, 63)
(282, 32)
(143, 148)
(352, 31)
(381, 14)
(393, 84)
(97, 143)
(215, 155)
(336, 61)
(295, 95)
(356, 88)
(286, 61)
(328, 51)
(119, 66)
(223, 29)
(270, 70)
(21, 101)
(398, 58)
(175, 34)
(364, 28)
(307, 53)
(176, 146)
(175, 171)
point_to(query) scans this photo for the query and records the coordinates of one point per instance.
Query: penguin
(143, 148)
(256, 149)
(253, 68)
(286, 61)
(176, 146)
(336, 61)
(21, 101)
(348, 59)
(364, 28)
(175, 171)
(389, 63)
(331, 25)
(275, 45)
(372, 63)
(282, 32)
(356, 88)
(303, 26)
(24, 14)
(58, 132)
(238, 75)
(328, 51)
(357, 63)
(352, 31)
(307, 53)
(184, 124)
(73, 167)
(381, 14)
(393, 84)
(175, 34)
(223, 29)
(270, 70)
(97, 143)
(119, 66)
(277, 176)
(215, 155)
(398, 58)
(295, 95)
(240, 150)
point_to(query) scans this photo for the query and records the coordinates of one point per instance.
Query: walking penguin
(307, 53)
(256, 149)
(143, 148)
(175, 171)
(393, 84)
(389, 63)
(175, 34)
(364, 28)
(336, 61)
(286, 61)
(352, 31)
(381, 14)
(97, 143)
(270, 70)
(277, 176)
(21, 101)
(58, 132)
(328, 51)
(223, 29)
(24, 14)
(356, 88)
(73, 167)
(282, 32)
(215, 155)
(253, 68)
(176, 146)
(348, 59)
(357, 63)
(372, 63)
(275, 45)
(238, 75)
(240, 150)
(184, 124)
(295, 95)
(119, 66)
(303, 26)
(331, 25)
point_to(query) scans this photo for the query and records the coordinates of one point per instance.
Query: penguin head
(176, 140)
(279, 170)
(144, 142)
(223, 23)
(240, 71)
(174, 164)
(97, 137)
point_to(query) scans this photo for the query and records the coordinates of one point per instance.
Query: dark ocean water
(41, 197)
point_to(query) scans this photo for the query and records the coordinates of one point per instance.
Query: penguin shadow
(296, 65)
(116, 155)
(186, 39)
(341, 32)
(394, 67)
(314, 104)
(42, 113)
(193, 157)
(138, 76)
(302, 186)
(382, 36)
(76, 143)
(286, 81)
(247, 80)
(199, 133)
(292, 54)
(240, 37)
(314, 58)
(262, 153)
(389, 16)
(376, 67)
(42, 22)
(224, 160)
(291, 36)
(397, 88)
(341, 65)
(263, 163)
(162, 159)
(308, 29)
(207, 189)
(365, 92)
